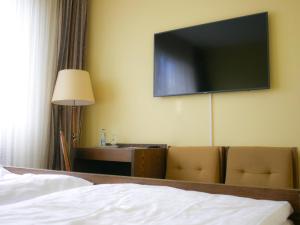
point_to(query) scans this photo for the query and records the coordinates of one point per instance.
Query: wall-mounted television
(228, 55)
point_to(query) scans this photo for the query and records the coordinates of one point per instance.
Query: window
(28, 50)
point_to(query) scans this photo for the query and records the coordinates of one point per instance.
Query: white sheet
(132, 204)
(15, 188)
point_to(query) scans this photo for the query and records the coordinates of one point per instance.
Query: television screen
(228, 55)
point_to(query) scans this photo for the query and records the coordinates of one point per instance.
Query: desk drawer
(114, 155)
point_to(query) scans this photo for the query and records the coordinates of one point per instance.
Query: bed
(128, 200)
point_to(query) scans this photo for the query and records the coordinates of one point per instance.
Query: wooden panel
(149, 163)
(109, 154)
(290, 195)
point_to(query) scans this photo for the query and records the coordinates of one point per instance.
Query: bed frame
(290, 195)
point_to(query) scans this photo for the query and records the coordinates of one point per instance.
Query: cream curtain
(28, 61)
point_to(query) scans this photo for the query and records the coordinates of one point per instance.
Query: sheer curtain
(28, 59)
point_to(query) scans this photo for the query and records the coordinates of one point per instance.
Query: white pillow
(3, 171)
(15, 188)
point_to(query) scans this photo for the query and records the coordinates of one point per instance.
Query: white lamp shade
(73, 87)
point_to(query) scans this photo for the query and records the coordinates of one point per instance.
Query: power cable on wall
(211, 119)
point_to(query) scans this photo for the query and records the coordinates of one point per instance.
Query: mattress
(133, 204)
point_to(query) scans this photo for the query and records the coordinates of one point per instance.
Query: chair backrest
(64, 148)
(274, 167)
(202, 164)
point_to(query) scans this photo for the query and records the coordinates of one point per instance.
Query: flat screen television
(228, 55)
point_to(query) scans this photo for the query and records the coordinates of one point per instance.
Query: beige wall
(120, 60)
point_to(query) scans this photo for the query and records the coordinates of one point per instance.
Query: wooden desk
(129, 161)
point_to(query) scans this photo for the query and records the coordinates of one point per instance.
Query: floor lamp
(73, 88)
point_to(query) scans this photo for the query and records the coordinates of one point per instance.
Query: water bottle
(102, 137)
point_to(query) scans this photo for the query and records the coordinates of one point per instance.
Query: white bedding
(15, 188)
(132, 204)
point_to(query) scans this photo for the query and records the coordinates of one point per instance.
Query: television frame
(268, 86)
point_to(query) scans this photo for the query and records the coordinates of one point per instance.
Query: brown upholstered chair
(201, 164)
(274, 167)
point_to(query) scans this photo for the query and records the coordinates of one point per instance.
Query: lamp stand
(63, 142)
(74, 127)
(64, 147)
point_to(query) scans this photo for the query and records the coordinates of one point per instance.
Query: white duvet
(15, 188)
(132, 204)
